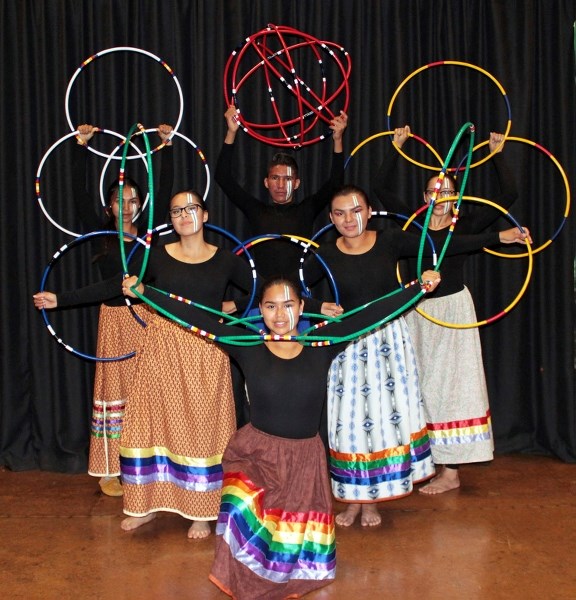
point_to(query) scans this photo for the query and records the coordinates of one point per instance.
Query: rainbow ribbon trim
(387, 465)
(461, 432)
(275, 544)
(107, 418)
(142, 466)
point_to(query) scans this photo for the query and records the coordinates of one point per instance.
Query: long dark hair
(109, 224)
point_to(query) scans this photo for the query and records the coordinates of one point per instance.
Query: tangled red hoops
(266, 63)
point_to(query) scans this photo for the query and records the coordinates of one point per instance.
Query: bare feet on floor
(447, 480)
(348, 516)
(370, 516)
(130, 523)
(199, 530)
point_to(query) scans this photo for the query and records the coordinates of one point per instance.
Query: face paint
(289, 184)
(190, 200)
(133, 204)
(289, 309)
(358, 215)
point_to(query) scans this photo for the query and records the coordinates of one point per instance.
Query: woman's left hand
(430, 280)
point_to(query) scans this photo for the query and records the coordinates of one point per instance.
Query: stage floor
(508, 533)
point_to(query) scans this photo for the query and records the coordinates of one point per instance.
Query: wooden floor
(508, 533)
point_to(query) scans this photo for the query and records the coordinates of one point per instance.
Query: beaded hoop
(198, 151)
(439, 64)
(515, 301)
(41, 166)
(566, 207)
(123, 49)
(277, 66)
(57, 255)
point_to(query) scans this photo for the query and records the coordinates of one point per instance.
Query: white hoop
(122, 49)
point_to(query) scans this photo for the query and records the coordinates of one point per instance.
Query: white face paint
(358, 215)
(133, 205)
(190, 201)
(289, 184)
(289, 309)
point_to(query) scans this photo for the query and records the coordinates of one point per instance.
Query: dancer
(450, 360)
(377, 432)
(283, 214)
(119, 333)
(276, 527)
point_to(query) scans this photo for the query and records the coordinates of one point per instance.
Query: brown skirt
(179, 418)
(119, 333)
(275, 531)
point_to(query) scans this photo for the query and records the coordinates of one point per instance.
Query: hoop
(515, 301)
(123, 49)
(439, 64)
(319, 105)
(295, 239)
(199, 152)
(383, 133)
(57, 255)
(566, 208)
(41, 166)
(305, 339)
(165, 229)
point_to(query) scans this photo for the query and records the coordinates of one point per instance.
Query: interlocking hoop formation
(296, 82)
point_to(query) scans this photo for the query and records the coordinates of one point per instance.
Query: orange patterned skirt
(119, 333)
(179, 418)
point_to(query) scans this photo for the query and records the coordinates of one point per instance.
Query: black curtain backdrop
(527, 46)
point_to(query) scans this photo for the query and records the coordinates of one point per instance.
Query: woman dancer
(119, 333)
(276, 527)
(450, 360)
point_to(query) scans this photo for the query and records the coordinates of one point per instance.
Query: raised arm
(322, 197)
(383, 182)
(84, 203)
(223, 172)
(484, 216)
(166, 179)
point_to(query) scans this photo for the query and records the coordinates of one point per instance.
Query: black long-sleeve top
(204, 282)
(480, 218)
(361, 278)
(277, 256)
(109, 259)
(286, 395)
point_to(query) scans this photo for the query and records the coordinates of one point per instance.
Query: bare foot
(130, 523)
(348, 516)
(447, 480)
(199, 530)
(370, 516)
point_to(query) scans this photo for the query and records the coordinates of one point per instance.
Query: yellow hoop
(460, 64)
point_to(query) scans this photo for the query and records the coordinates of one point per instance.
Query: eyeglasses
(191, 209)
(442, 193)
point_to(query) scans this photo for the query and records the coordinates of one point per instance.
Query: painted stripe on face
(190, 201)
(289, 309)
(289, 184)
(133, 204)
(358, 215)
